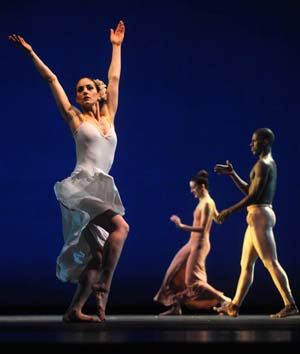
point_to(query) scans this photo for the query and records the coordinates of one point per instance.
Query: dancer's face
(195, 189)
(86, 92)
(257, 144)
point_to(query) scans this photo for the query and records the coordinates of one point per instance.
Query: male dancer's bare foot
(101, 295)
(288, 310)
(175, 310)
(77, 317)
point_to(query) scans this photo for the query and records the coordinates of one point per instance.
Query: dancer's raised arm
(67, 111)
(114, 72)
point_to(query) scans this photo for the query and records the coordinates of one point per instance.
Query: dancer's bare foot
(288, 310)
(227, 308)
(76, 317)
(175, 310)
(222, 306)
(101, 295)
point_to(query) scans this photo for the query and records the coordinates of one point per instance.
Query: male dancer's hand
(224, 169)
(223, 215)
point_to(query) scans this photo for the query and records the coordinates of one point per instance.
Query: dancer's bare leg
(118, 229)
(248, 259)
(89, 276)
(266, 248)
(262, 242)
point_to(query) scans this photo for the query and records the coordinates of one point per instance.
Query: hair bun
(202, 173)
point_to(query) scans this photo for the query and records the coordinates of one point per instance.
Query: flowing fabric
(88, 192)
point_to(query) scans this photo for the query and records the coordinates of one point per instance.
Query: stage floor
(151, 334)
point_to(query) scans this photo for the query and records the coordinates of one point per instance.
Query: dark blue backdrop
(198, 78)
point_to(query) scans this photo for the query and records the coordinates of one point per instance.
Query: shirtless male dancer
(259, 238)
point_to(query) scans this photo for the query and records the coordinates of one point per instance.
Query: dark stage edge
(151, 334)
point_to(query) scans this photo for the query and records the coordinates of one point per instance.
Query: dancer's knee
(123, 230)
(126, 228)
(119, 236)
(270, 264)
(247, 267)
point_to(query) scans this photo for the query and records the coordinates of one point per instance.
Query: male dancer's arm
(256, 187)
(229, 170)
